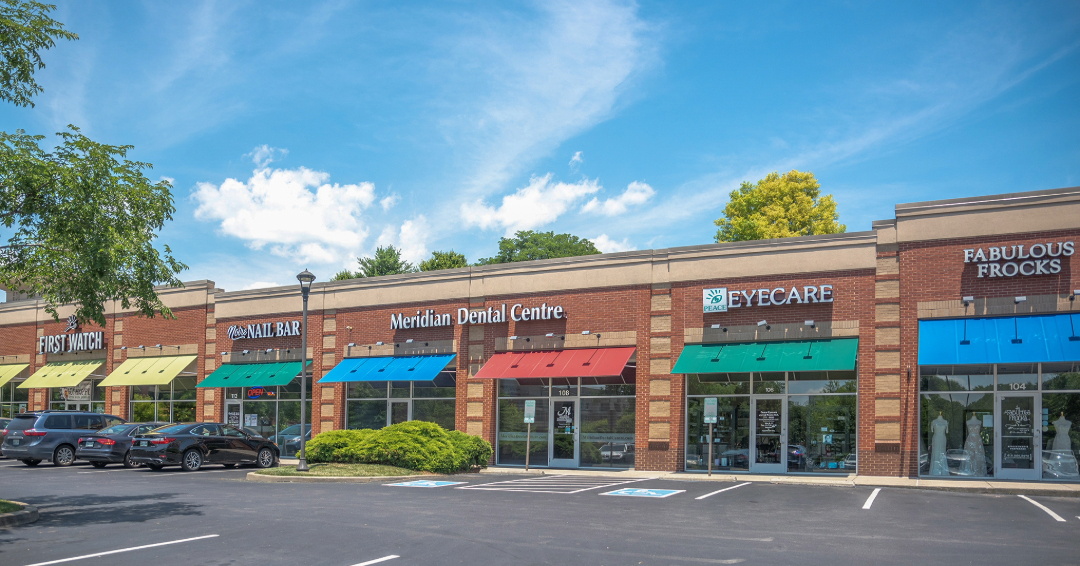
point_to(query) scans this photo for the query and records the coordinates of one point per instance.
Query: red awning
(589, 362)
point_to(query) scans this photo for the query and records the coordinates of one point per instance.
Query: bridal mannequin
(1061, 434)
(973, 445)
(938, 464)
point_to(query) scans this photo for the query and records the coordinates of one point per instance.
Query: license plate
(144, 443)
(15, 441)
(88, 444)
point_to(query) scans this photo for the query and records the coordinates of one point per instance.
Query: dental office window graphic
(715, 300)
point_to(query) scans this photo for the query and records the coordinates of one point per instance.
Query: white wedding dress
(976, 462)
(1061, 435)
(939, 466)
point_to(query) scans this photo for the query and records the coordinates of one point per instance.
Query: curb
(255, 477)
(28, 514)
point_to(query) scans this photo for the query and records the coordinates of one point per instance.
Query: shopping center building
(941, 343)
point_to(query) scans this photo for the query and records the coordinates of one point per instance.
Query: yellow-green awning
(8, 372)
(148, 371)
(61, 374)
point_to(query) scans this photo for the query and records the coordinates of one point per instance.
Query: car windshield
(22, 423)
(115, 429)
(174, 429)
(295, 429)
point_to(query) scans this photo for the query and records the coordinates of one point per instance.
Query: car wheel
(192, 461)
(154, 467)
(99, 464)
(229, 465)
(128, 462)
(266, 458)
(64, 455)
(31, 463)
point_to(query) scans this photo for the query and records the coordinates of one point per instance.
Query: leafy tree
(527, 245)
(778, 206)
(387, 261)
(444, 260)
(83, 217)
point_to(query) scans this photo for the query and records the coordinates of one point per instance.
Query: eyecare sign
(518, 313)
(720, 299)
(1010, 261)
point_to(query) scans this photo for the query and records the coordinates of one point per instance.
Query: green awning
(801, 355)
(253, 375)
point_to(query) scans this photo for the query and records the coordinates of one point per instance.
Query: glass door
(399, 412)
(232, 413)
(769, 435)
(1019, 440)
(564, 433)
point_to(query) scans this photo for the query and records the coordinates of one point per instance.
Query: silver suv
(51, 435)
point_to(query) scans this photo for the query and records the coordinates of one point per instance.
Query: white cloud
(295, 212)
(540, 203)
(607, 245)
(411, 238)
(389, 201)
(264, 155)
(636, 193)
(577, 159)
(259, 285)
(546, 78)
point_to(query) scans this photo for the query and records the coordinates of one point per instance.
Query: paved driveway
(137, 516)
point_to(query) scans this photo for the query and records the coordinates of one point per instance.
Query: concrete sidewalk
(847, 480)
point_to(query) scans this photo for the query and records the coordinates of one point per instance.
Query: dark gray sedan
(112, 445)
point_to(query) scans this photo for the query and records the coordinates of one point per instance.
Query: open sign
(255, 392)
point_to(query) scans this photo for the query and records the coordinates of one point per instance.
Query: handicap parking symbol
(630, 492)
(424, 483)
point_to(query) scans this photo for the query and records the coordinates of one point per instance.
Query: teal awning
(800, 355)
(388, 368)
(253, 375)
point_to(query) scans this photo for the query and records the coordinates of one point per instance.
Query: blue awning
(1000, 340)
(388, 368)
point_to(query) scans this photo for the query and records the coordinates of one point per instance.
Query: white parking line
(377, 560)
(1043, 507)
(870, 500)
(549, 484)
(722, 490)
(129, 550)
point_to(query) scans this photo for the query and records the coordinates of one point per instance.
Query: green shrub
(415, 445)
(321, 448)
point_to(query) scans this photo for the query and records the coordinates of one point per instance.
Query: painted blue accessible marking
(630, 492)
(424, 483)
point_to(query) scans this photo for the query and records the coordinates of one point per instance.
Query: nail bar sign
(1020, 259)
(265, 330)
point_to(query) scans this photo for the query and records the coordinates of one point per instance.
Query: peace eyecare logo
(714, 300)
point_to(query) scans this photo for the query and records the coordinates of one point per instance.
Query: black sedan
(190, 446)
(112, 445)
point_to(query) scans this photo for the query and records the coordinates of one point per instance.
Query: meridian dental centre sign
(518, 313)
(1010, 261)
(719, 299)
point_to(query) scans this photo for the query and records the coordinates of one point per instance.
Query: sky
(305, 134)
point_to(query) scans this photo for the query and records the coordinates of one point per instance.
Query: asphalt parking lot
(214, 517)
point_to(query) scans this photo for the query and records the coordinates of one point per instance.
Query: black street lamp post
(306, 278)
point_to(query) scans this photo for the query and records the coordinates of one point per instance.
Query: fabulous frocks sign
(1020, 259)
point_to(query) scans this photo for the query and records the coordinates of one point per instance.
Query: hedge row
(414, 445)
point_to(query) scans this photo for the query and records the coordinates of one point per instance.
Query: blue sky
(302, 134)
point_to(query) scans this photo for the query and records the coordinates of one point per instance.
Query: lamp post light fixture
(306, 278)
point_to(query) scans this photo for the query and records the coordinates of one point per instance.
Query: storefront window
(86, 396)
(957, 428)
(821, 435)
(376, 404)
(172, 403)
(731, 433)
(1060, 410)
(602, 409)
(13, 400)
(820, 407)
(273, 412)
(957, 378)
